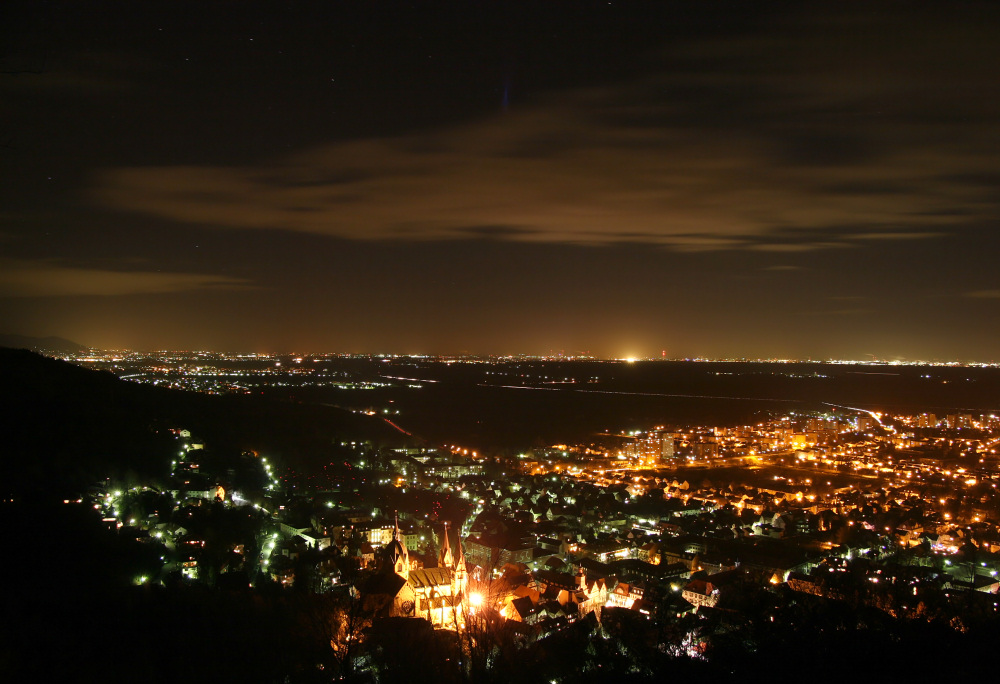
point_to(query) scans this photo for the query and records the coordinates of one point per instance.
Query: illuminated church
(402, 589)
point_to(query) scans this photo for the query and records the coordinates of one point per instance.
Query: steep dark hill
(66, 427)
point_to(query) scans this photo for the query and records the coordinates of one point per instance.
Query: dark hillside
(65, 427)
(52, 344)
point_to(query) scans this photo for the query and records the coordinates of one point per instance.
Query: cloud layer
(28, 278)
(779, 142)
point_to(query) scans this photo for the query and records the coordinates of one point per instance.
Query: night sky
(706, 179)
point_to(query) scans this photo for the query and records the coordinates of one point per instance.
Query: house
(624, 595)
(367, 555)
(708, 590)
(560, 587)
(521, 610)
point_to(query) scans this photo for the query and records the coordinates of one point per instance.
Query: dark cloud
(20, 278)
(494, 232)
(839, 312)
(827, 148)
(869, 188)
(986, 179)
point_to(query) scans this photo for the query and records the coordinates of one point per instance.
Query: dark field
(509, 406)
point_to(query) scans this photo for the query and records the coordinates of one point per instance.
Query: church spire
(461, 571)
(446, 560)
(460, 556)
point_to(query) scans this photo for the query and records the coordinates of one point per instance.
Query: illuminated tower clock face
(407, 607)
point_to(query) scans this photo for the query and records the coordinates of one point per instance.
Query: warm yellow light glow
(475, 599)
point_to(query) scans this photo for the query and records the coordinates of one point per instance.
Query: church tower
(445, 559)
(398, 555)
(455, 563)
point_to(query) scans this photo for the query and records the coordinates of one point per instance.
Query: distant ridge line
(51, 343)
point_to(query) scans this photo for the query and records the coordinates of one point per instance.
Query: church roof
(430, 577)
